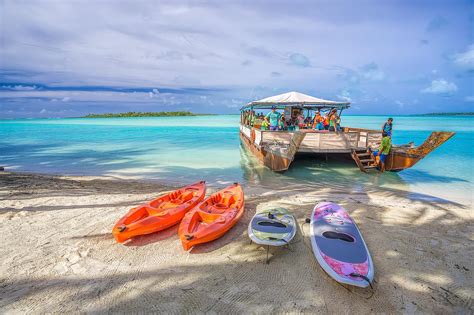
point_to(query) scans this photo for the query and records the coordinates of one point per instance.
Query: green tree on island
(142, 114)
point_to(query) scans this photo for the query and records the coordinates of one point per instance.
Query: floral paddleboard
(339, 246)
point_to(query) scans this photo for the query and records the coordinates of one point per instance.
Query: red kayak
(213, 217)
(160, 213)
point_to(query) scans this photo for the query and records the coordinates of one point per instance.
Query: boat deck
(317, 141)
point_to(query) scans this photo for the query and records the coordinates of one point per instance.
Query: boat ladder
(364, 160)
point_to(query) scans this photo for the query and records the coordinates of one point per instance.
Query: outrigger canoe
(213, 217)
(160, 213)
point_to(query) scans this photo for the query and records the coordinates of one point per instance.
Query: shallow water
(184, 149)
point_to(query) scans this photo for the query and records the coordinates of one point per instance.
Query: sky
(71, 58)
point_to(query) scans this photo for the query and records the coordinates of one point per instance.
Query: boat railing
(318, 141)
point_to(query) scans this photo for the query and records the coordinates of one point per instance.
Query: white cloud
(66, 99)
(367, 72)
(372, 72)
(153, 93)
(299, 60)
(469, 98)
(345, 96)
(43, 111)
(465, 60)
(400, 104)
(440, 86)
(176, 45)
(20, 87)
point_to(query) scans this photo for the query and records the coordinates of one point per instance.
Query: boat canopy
(295, 99)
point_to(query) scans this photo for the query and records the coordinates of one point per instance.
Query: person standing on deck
(326, 120)
(338, 122)
(273, 117)
(300, 120)
(282, 122)
(383, 151)
(318, 121)
(333, 120)
(387, 127)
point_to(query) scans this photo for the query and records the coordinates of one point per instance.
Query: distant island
(447, 114)
(143, 114)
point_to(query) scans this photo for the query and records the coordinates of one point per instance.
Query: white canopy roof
(297, 99)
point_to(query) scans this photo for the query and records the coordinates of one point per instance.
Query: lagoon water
(184, 149)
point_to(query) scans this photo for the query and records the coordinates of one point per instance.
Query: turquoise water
(182, 149)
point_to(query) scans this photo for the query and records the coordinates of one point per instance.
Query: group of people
(275, 120)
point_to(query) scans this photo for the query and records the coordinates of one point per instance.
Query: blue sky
(70, 58)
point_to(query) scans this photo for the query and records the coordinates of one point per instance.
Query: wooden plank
(279, 157)
(258, 137)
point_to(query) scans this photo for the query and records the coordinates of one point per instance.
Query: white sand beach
(59, 256)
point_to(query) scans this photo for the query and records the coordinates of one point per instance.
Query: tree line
(142, 114)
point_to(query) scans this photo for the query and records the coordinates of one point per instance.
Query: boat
(213, 217)
(160, 213)
(339, 247)
(277, 149)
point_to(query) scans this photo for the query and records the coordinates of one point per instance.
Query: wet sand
(58, 255)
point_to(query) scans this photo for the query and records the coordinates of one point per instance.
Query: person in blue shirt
(387, 127)
(273, 117)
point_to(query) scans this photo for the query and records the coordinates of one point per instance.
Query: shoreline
(58, 242)
(411, 191)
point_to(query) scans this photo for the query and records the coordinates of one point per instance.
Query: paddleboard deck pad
(339, 246)
(273, 227)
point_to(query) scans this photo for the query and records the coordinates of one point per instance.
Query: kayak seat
(182, 198)
(225, 202)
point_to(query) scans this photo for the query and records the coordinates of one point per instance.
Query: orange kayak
(213, 217)
(160, 213)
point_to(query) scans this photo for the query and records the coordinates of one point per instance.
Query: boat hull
(279, 159)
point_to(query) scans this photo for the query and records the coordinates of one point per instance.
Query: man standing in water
(387, 127)
(383, 151)
(273, 117)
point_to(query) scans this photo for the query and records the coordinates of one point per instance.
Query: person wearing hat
(273, 118)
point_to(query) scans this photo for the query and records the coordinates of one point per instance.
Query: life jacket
(326, 120)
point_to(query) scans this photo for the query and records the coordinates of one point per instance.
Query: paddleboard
(273, 227)
(339, 246)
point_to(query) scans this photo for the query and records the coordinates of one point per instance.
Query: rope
(362, 277)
